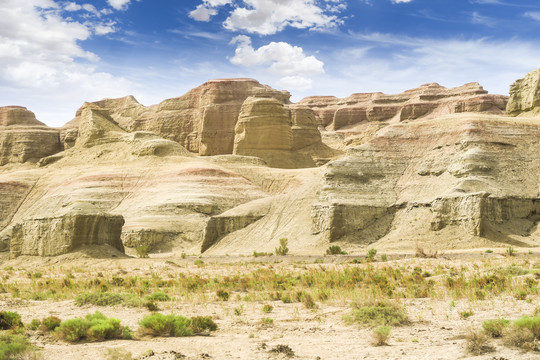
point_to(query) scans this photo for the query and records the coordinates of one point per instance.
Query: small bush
(267, 308)
(12, 345)
(267, 321)
(308, 301)
(282, 249)
(370, 257)
(380, 335)
(10, 320)
(335, 250)
(257, 254)
(378, 313)
(151, 305)
(522, 338)
(223, 295)
(142, 251)
(510, 251)
(477, 343)
(34, 324)
(93, 327)
(466, 314)
(495, 328)
(166, 325)
(202, 324)
(50, 323)
(530, 323)
(158, 296)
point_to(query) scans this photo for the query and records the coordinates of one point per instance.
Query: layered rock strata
(525, 95)
(23, 138)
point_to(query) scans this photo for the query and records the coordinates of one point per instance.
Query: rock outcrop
(76, 228)
(426, 101)
(23, 138)
(525, 95)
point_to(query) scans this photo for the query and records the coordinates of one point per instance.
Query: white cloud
(476, 18)
(278, 58)
(202, 13)
(119, 4)
(43, 64)
(268, 17)
(71, 6)
(400, 1)
(284, 59)
(535, 15)
(299, 83)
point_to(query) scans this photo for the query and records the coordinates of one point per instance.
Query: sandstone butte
(233, 166)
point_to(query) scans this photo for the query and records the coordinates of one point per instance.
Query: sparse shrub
(370, 257)
(421, 253)
(282, 249)
(257, 254)
(239, 310)
(267, 321)
(495, 328)
(10, 320)
(12, 345)
(308, 301)
(202, 324)
(198, 262)
(380, 335)
(283, 349)
(166, 325)
(465, 314)
(119, 354)
(489, 251)
(158, 296)
(267, 308)
(378, 313)
(522, 338)
(384, 258)
(142, 251)
(151, 306)
(93, 327)
(223, 295)
(477, 343)
(510, 251)
(34, 324)
(50, 323)
(335, 250)
(529, 322)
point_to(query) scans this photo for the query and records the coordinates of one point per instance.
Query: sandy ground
(436, 331)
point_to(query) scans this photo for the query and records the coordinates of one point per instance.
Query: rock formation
(232, 166)
(23, 138)
(426, 101)
(525, 95)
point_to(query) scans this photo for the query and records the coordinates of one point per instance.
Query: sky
(55, 55)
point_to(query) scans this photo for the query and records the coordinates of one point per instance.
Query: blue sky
(54, 55)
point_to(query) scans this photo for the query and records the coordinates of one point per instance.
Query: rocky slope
(232, 166)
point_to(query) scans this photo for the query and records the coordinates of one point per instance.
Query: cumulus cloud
(279, 58)
(41, 56)
(119, 4)
(266, 17)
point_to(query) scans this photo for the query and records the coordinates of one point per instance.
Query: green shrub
(335, 250)
(93, 327)
(158, 296)
(34, 324)
(151, 305)
(510, 251)
(12, 345)
(142, 251)
(202, 324)
(282, 249)
(10, 320)
(522, 338)
(378, 313)
(50, 323)
(166, 325)
(495, 328)
(466, 314)
(530, 323)
(267, 308)
(381, 335)
(108, 299)
(370, 257)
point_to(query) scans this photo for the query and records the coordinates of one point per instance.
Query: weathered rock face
(458, 177)
(61, 235)
(426, 101)
(525, 95)
(23, 138)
